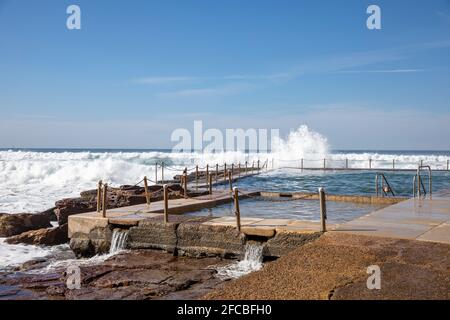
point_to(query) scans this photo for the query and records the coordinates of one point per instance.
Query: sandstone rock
(259, 232)
(48, 236)
(14, 224)
(98, 241)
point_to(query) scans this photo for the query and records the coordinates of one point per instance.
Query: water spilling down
(118, 241)
(253, 261)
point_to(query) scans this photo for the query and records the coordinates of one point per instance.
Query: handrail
(385, 186)
(418, 178)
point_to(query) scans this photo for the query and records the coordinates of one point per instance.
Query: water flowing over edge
(252, 261)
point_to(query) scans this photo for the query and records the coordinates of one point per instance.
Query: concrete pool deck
(414, 219)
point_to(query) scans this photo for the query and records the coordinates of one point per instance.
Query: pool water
(338, 182)
(262, 207)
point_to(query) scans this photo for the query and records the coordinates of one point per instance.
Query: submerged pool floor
(264, 207)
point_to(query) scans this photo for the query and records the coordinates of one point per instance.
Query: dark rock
(48, 237)
(14, 224)
(67, 207)
(139, 274)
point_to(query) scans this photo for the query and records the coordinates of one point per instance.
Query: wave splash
(31, 181)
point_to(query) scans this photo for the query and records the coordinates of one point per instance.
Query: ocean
(31, 180)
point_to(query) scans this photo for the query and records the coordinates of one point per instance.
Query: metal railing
(385, 186)
(418, 182)
(356, 164)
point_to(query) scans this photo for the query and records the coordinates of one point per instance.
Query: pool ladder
(418, 186)
(385, 186)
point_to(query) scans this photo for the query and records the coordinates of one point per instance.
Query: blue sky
(137, 70)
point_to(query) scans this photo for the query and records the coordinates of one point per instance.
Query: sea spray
(252, 261)
(300, 144)
(31, 181)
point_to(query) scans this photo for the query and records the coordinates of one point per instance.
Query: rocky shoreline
(136, 275)
(37, 228)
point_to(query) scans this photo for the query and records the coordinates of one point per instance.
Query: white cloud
(224, 90)
(383, 71)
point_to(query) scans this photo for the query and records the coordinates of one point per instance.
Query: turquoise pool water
(262, 207)
(338, 182)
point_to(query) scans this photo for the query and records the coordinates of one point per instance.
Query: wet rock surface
(14, 224)
(136, 275)
(47, 236)
(335, 267)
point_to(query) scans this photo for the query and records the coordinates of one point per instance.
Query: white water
(252, 262)
(15, 255)
(32, 181)
(118, 241)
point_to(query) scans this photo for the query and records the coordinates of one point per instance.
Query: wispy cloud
(185, 79)
(164, 80)
(444, 14)
(224, 90)
(383, 71)
(207, 86)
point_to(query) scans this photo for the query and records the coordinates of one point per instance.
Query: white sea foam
(14, 255)
(253, 261)
(33, 181)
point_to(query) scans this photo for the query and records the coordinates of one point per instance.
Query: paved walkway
(419, 219)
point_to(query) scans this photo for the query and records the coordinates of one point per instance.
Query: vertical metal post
(239, 170)
(393, 164)
(376, 184)
(323, 209)
(230, 180)
(156, 172)
(147, 196)
(258, 165)
(448, 163)
(232, 170)
(105, 200)
(225, 171)
(421, 163)
(237, 211)
(162, 172)
(166, 204)
(346, 163)
(370, 163)
(207, 173)
(245, 167)
(302, 164)
(217, 172)
(324, 164)
(99, 196)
